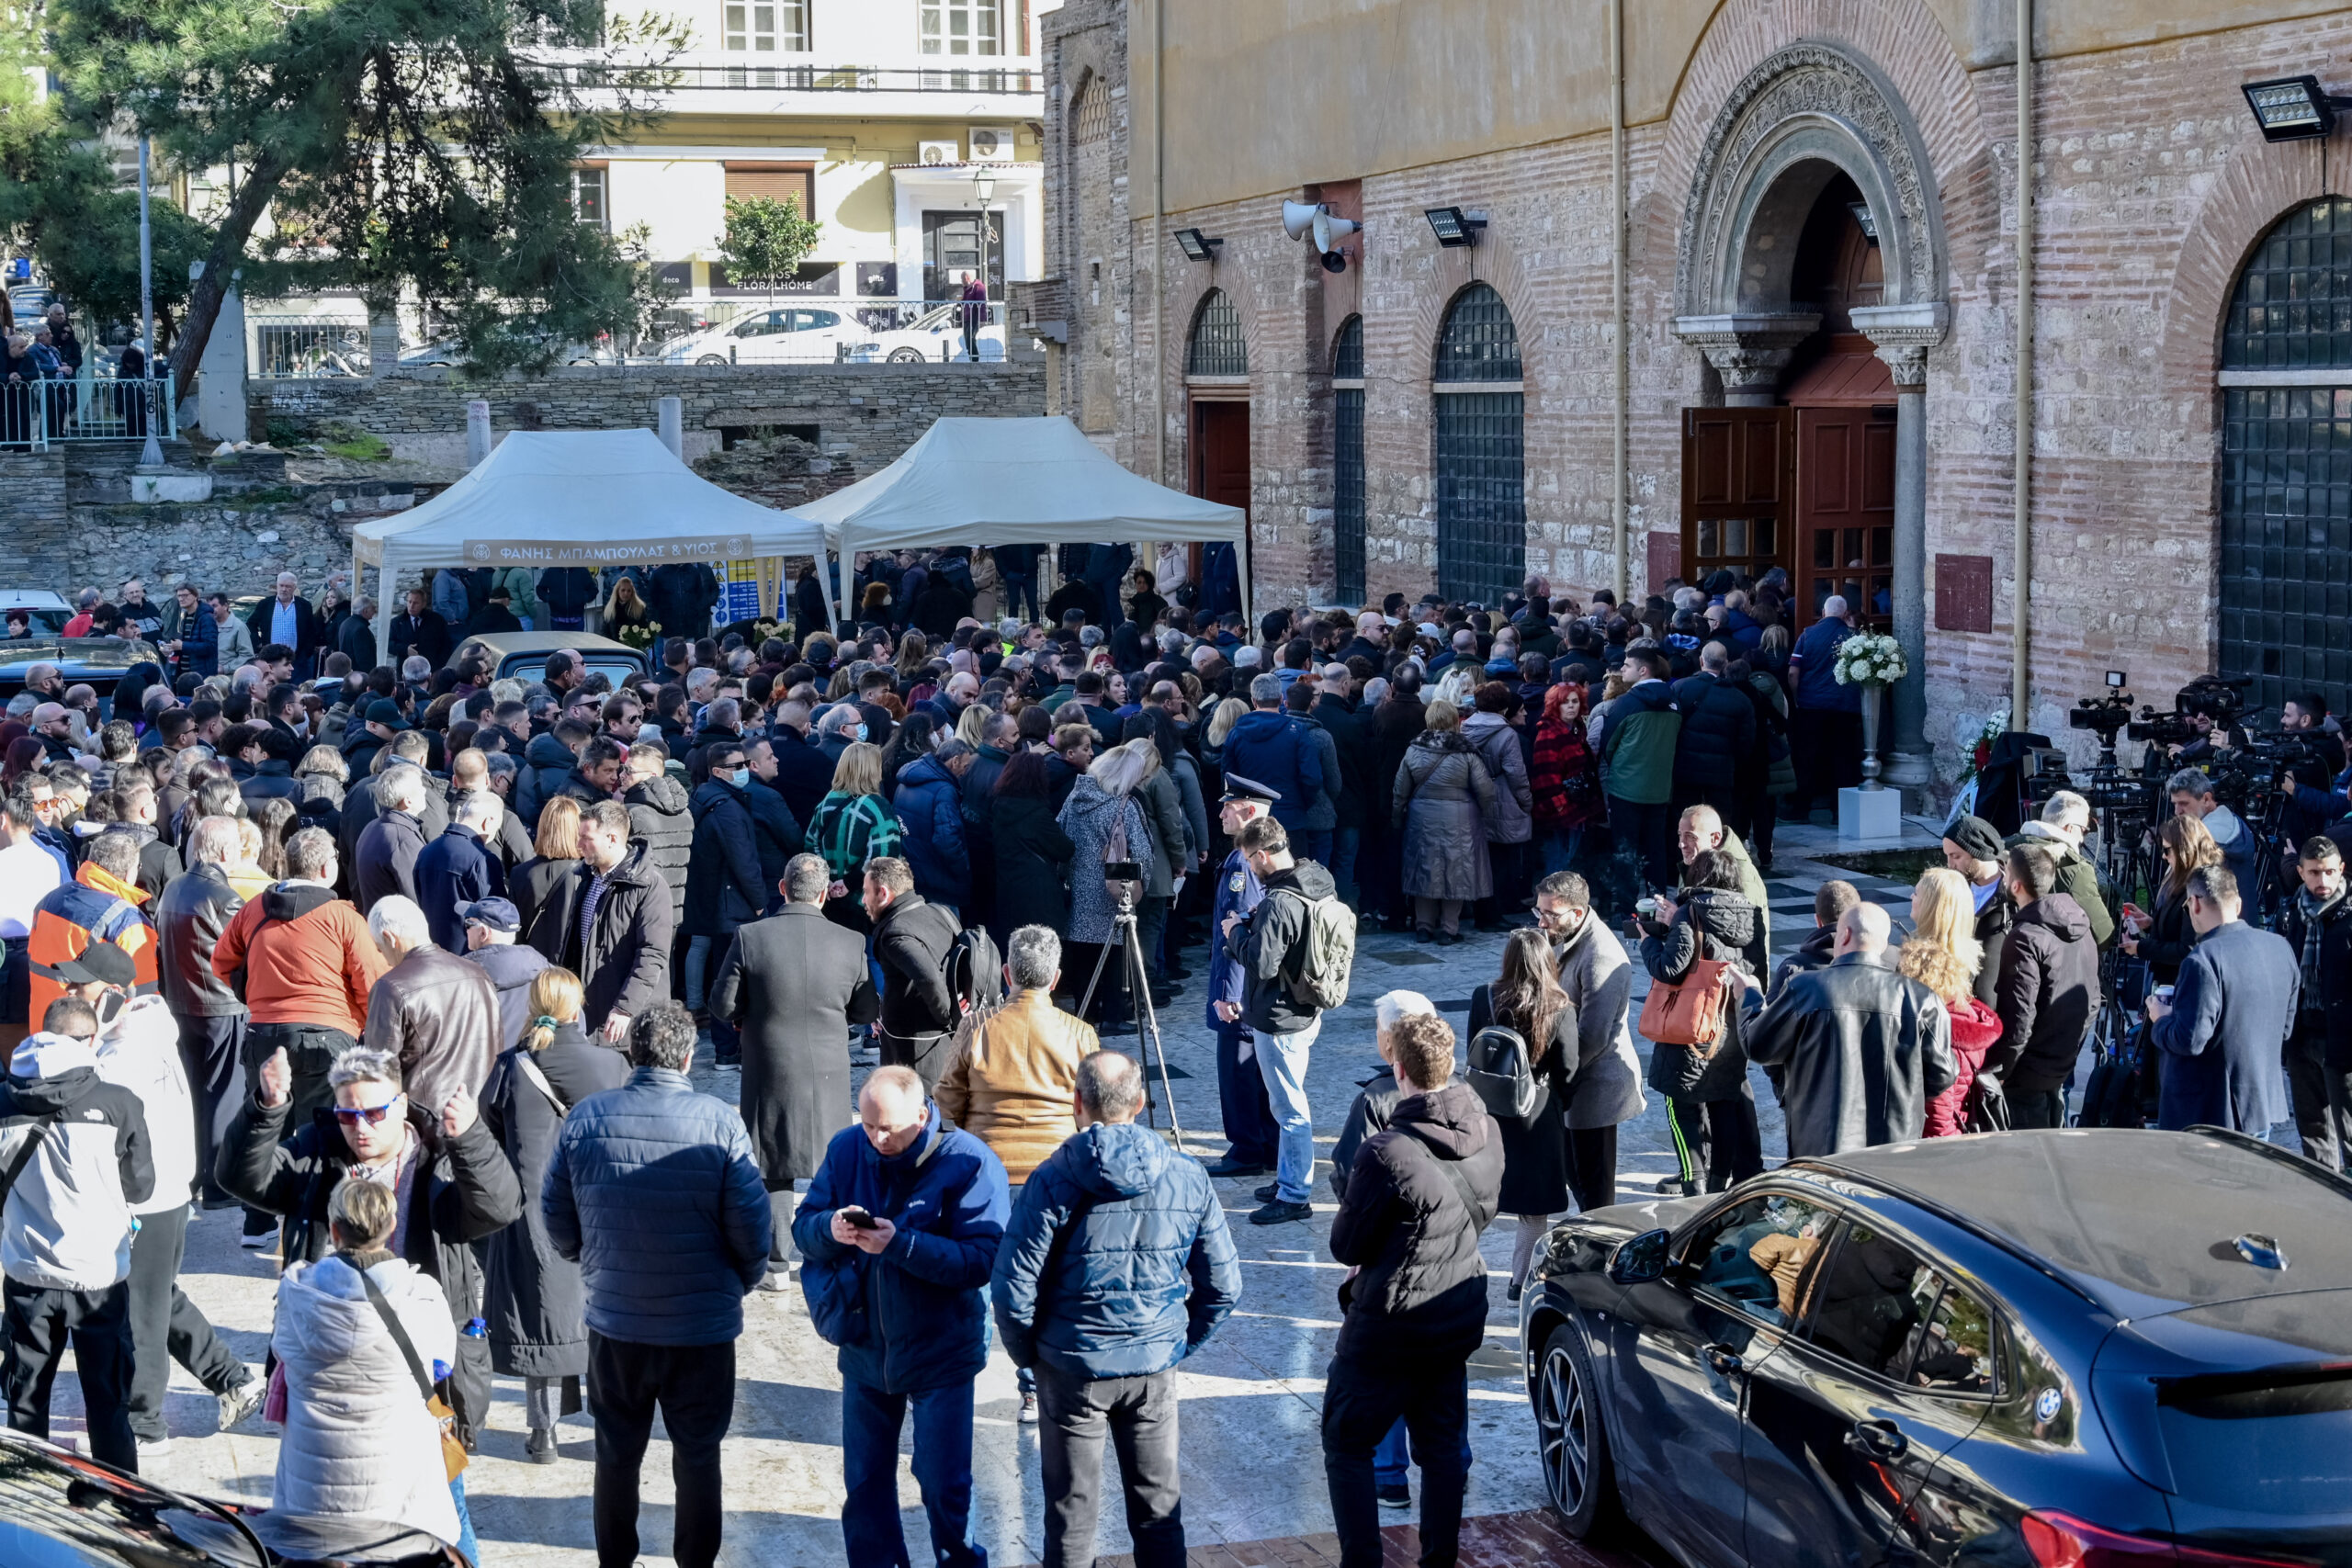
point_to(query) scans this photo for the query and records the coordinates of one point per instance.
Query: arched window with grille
(1215, 346)
(2286, 532)
(1347, 463)
(1481, 451)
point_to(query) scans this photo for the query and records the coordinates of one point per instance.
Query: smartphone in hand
(856, 1218)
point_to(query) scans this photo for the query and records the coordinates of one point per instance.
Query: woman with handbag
(1564, 777)
(356, 1332)
(1527, 1000)
(1692, 949)
(1943, 955)
(532, 1295)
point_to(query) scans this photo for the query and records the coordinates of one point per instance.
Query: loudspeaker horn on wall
(1298, 216)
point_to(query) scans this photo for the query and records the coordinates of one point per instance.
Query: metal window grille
(1347, 466)
(2292, 309)
(1480, 341)
(1217, 347)
(1347, 353)
(2286, 531)
(1481, 495)
(2287, 539)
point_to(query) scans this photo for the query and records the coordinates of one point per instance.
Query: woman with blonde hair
(625, 607)
(555, 852)
(246, 874)
(532, 1296)
(1943, 955)
(2164, 937)
(851, 825)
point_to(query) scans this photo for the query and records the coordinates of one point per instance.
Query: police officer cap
(1239, 788)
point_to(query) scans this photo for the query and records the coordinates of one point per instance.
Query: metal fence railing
(803, 78)
(304, 347)
(39, 413)
(817, 330)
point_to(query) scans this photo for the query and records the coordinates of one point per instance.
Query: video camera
(2208, 696)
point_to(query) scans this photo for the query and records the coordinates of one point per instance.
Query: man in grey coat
(1861, 1049)
(1607, 1089)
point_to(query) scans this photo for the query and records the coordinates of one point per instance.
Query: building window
(765, 26)
(953, 244)
(588, 197)
(1217, 346)
(1347, 463)
(1481, 452)
(963, 26)
(2286, 528)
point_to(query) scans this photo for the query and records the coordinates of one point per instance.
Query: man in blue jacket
(898, 1232)
(1117, 1265)
(1249, 1132)
(1278, 751)
(652, 1190)
(2225, 1029)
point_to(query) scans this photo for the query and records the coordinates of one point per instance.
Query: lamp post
(152, 455)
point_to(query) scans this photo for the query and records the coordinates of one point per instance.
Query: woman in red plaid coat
(1564, 777)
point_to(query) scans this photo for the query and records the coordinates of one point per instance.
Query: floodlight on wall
(1862, 212)
(2293, 108)
(1454, 226)
(1196, 245)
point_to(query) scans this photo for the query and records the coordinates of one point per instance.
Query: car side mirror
(1639, 1259)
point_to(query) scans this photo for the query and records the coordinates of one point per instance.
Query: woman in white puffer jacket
(358, 1440)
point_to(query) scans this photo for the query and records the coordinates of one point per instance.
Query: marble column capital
(1749, 352)
(1903, 335)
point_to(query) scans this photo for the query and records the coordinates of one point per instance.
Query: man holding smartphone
(897, 1234)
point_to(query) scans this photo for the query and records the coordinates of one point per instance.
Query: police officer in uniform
(1250, 1128)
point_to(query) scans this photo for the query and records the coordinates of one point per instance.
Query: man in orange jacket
(101, 904)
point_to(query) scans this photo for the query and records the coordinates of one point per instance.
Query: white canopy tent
(588, 498)
(1016, 482)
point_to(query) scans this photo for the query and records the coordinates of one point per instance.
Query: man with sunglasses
(453, 1183)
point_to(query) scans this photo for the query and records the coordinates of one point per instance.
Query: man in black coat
(288, 619)
(1973, 848)
(2049, 993)
(680, 597)
(355, 634)
(912, 939)
(1416, 1197)
(793, 984)
(623, 961)
(778, 828)
(420, 629)
(463, 1188)
(1717, 743)
(1859, 1050)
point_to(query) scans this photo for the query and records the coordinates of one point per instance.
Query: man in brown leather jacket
(433, 1011)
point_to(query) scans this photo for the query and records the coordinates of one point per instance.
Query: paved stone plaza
(1253, 1469)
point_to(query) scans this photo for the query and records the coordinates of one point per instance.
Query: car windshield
(38, 619)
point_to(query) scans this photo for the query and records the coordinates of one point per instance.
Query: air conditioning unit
(991, 143)
(941, 152)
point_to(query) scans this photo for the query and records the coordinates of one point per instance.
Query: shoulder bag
(1691, 1010)
(453, 1452)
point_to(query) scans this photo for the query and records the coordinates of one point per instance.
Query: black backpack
(1503, 1076)
(974, 972)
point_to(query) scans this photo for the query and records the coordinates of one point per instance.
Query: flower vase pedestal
(1872, 811)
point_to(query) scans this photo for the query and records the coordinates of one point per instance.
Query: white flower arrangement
(1869, 659)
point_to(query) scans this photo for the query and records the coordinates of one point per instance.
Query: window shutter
(777, 182)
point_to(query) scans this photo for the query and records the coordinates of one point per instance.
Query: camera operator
(2209, 706)
(2306, 716)
(2192, 796)
(2315, 925)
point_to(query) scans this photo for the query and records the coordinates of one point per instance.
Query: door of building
(1220, 460)
(1738, 492)
(1845, 513)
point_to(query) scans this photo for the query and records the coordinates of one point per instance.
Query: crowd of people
(410, 961)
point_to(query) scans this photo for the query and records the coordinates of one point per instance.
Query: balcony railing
(37, 413)
(762, 78)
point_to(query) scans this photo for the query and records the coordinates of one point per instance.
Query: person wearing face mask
(723, 888)
(138, 1048)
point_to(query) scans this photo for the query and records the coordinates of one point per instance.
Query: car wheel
(906, 357)
(576, 364)
(712, 359)
(1570, 1434)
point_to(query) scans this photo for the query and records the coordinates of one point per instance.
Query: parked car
(770, 337)
(936, 335)
(2104, 1349)
(94, 661)
(47, 611)
(58, 1510)
(446, 353)
(525, 654)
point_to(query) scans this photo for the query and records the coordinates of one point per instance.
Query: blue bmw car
(2051, 1349)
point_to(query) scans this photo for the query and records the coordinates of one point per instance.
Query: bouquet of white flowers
(1870, 659)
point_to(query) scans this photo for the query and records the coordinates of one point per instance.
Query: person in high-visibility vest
(101, 904)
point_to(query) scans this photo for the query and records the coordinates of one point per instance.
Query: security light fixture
(1862, 212)
(1454, 227)
(1196, 245)
(2293, 108)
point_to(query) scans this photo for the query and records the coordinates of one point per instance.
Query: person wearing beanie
(1973, 847)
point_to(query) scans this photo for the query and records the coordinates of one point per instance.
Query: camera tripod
(1125, 940)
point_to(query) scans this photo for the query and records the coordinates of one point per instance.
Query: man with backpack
(1294, 952)
(912, 941)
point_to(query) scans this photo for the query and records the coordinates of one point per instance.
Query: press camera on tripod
(1123, 881)
(2207, 704)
